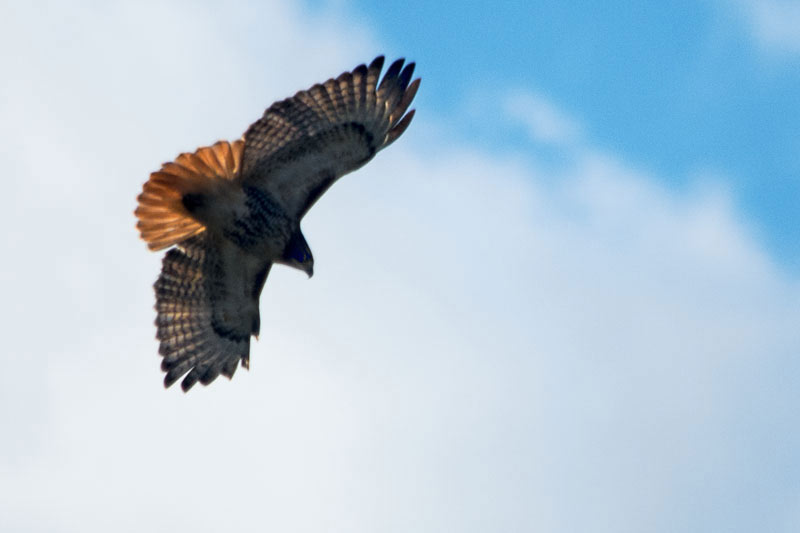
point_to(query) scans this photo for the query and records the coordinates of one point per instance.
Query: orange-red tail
(163, 219)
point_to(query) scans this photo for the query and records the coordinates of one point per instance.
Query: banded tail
(163, 217)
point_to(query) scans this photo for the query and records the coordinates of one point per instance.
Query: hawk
(231, 210)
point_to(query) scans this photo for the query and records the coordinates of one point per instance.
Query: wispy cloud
(483, 346)
(545, 122)
(774, 23)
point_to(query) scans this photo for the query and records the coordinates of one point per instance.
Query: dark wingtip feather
(211, 374)
(391, 73)
(230, 367)
(398, 130)
(377, 63)
(408, 97)
(170, 379)
(405, 75)
(190, 379)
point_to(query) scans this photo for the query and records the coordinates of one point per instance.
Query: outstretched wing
(304, 143)
(207, 302)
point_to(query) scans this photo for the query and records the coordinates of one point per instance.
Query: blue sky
(680, 88)
(567, 299)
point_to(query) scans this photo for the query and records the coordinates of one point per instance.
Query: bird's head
(306, 264)
(298, 255)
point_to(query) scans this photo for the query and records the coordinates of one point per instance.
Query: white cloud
(483, 346)
(544, 121)
(774, 23)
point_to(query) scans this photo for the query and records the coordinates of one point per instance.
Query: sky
(685, 89)
(566, 300)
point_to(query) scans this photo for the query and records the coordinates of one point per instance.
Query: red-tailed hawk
(231, 210)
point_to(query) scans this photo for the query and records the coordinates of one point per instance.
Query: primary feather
(233, 209)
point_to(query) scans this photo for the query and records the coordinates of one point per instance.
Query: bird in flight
(231, 210)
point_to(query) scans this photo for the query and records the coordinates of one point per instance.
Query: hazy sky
(567, 300)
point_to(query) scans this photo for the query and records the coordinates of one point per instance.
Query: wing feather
(348, 89)
(332, 86)
(398, 130)
(207, 303)
(320, 101)
(405, 102)
(359, 90)
(304, 143)
(373, 74)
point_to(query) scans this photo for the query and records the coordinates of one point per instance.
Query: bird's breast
(262, 227)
